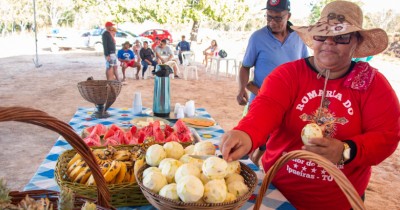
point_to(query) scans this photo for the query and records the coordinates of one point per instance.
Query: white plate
(145, 121)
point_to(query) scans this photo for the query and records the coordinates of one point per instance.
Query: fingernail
(303, 147)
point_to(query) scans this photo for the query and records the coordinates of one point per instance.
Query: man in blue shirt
(182, 46)
(127, 59)
(269, 47)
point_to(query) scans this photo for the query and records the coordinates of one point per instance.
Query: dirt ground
(52, 88)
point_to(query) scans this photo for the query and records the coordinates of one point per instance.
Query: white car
(121, 36)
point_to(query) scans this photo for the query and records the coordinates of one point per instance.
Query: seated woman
(352, 103)
(210, 51)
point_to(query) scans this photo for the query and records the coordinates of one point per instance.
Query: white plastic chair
(187, 58)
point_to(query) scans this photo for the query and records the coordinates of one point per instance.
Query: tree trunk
(195, 30)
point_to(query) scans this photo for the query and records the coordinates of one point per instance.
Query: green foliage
(318, 6)
(4, 198)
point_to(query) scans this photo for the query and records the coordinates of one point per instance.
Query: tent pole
(35, 61)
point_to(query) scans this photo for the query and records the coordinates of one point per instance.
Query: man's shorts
(112, 62)
(128, 64)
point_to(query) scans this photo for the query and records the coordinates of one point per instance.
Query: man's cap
(278, 5)
(109, 24)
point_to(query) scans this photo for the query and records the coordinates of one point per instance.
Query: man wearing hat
(351, 105)
(127, 59)
(109, 52)
(269, 47)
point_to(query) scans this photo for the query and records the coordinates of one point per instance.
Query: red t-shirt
(361, 106)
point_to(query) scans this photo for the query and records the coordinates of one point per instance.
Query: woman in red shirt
(354, 105)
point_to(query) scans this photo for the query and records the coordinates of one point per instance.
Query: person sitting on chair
(210, 51)
(165, 56)
(147, 56)
(182, 46)
(127, 59)
(136, 49)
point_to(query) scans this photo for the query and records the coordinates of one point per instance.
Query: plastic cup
(137, 103)
(177, 105)
(190, 108)
(181, 112)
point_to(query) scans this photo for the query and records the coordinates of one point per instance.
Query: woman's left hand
(330, 148)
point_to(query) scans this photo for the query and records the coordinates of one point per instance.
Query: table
(218, 60)
(44, 176)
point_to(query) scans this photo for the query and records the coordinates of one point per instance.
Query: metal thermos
(161, 99)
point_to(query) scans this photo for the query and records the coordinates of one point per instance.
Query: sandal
(137, 76)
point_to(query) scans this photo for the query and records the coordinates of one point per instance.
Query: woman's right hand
(235, 144)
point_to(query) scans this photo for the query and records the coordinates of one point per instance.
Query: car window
(160, 32)
(121, 35)
(96, 32)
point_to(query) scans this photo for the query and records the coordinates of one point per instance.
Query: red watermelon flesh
(168, 130)
(182, 131)
(172, 137)
(157, 132)
(92, 141)
(141, 136)
(118, 136)
(131, 135)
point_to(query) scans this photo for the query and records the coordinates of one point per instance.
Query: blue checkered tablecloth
(44, 176)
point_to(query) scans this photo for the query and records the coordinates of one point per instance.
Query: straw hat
(342, 17)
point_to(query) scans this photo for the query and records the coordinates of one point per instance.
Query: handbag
(222, 53)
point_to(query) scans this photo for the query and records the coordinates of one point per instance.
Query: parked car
(121, 36)
(63, 39)
(160, 33)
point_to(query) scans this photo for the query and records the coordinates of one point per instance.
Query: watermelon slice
(157, 132)
(168, 130)
(182, 131)
(172, 137)
(92, 141)
(131, 136)
(141, 136)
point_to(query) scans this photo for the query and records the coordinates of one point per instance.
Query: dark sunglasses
(276, 18)
(339, 39)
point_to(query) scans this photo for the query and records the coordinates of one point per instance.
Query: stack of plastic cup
(137, 103)
(180, 113)
(190, 108)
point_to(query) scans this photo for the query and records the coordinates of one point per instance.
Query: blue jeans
(146, 65)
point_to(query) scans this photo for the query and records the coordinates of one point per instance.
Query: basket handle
(40, 118)
(338, 176)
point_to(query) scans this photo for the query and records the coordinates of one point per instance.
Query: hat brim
(373, 41)
(275, 9)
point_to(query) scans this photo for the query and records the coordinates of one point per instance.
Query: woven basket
(100, 91)
(338, 176)
(160, 202)
(36, 117)
(124, 194)
(53, 196)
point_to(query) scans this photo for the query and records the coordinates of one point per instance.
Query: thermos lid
(163, 70)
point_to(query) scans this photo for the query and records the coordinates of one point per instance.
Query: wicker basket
(124, 194)
(161, 202)
(36, 117)
(338, 176)
(100, 91)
